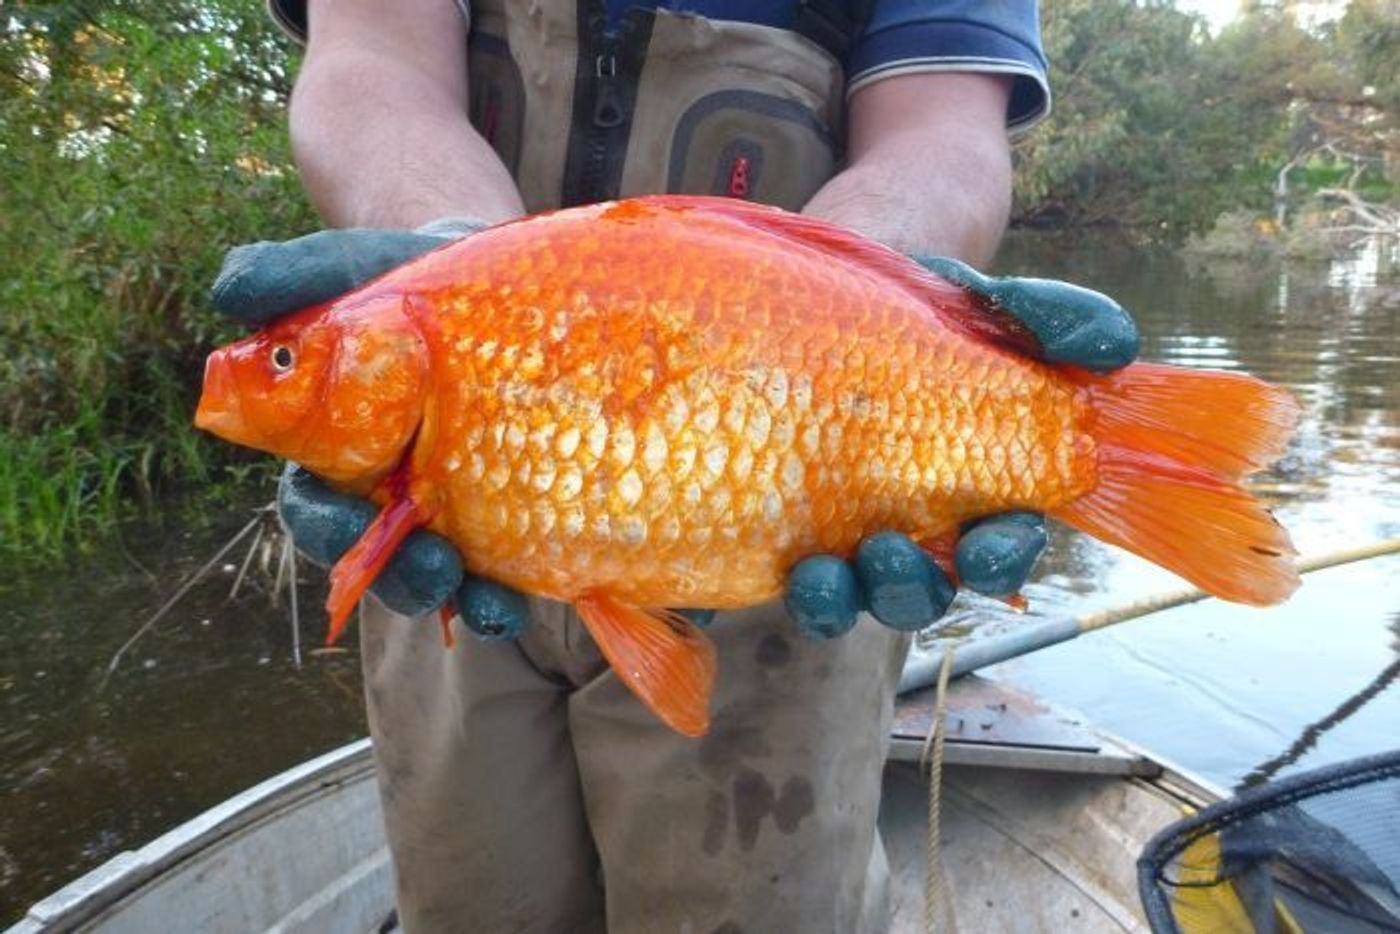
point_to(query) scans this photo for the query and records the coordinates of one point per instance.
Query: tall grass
(140, 141)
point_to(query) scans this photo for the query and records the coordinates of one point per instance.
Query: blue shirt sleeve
(290, 16)
(1000, 36)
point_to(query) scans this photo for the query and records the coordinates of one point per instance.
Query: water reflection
(1314, 731)
(1225, 690)
(206, 704)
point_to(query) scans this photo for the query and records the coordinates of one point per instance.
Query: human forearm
(379, 126)
(936, 185)
(952, 213)
(368, 161)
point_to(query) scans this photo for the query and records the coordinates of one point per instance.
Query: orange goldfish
(669, 401)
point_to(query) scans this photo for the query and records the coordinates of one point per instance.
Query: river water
(1233, 693)
(210, 700)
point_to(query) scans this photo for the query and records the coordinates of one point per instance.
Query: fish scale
(686, 398)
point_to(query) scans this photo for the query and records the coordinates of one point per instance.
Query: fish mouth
(220, 410)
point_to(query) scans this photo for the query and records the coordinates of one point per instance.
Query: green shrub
(140, 141)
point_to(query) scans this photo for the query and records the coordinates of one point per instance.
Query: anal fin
(445, 614)
(661, 656)
(942, 548)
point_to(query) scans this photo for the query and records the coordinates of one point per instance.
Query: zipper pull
(607, 109)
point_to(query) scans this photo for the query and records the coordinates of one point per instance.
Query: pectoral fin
(662, 656)
(358, 567)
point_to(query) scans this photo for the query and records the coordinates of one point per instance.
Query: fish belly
(677, 412)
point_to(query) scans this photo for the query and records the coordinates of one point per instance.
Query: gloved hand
(1072, 324)
(890, 575)
(263, 281)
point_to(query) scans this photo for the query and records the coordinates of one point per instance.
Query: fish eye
(282, 358)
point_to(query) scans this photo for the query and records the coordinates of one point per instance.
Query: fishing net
(1317, 852)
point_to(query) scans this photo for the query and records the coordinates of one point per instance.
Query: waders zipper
(610, 59)
(603, 130)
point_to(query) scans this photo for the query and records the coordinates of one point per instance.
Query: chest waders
(581, 110)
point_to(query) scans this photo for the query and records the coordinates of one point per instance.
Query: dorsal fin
(955, 306)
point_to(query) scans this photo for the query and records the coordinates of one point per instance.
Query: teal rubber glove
(890, 575)
(260, 282)
(1073, 324)
(424, 573)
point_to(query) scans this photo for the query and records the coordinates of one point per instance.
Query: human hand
(263, 281)
(891, 576)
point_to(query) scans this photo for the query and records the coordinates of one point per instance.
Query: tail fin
(1173, 446)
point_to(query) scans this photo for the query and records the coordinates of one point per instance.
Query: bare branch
(1374, 218)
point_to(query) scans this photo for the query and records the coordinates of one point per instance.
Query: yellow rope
(932, 764)
(1173, 598)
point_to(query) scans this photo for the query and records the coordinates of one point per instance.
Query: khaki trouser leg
(479, 784)
(768, 822)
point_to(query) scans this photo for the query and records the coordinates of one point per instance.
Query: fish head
(338, 389)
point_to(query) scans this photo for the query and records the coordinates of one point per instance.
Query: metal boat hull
(1042, 820)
